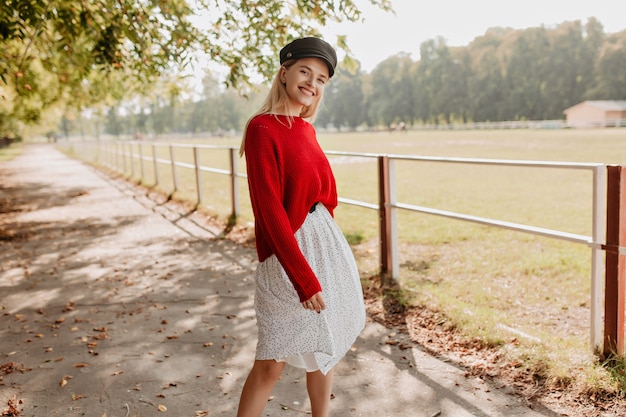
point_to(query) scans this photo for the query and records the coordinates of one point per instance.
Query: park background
(483, 282)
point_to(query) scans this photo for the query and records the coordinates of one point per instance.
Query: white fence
(122, 156)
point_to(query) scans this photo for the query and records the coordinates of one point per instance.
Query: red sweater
(287, 173)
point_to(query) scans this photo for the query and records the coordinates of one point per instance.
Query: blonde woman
(308, 298)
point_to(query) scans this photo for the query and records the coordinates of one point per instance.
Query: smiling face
(304, 82)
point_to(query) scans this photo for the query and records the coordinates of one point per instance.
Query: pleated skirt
(303, 338)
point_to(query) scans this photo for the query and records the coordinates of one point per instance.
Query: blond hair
(276, 103)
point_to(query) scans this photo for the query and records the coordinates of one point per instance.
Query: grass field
(500, 285)
(10, 152)
(497, 284)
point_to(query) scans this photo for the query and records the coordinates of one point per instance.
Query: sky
(383, 34)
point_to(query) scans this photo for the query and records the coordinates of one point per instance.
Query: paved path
(112, 304)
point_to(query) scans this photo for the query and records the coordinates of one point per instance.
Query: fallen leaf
(63, 382)
(162, 408)
(12, 410)
(80, 365)
(10, 367)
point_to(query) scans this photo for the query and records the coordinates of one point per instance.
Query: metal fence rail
(119, 156)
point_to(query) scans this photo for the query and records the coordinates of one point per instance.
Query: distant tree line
(506, 74)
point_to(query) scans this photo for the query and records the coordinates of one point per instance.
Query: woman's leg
(258, 387)
(319, 387)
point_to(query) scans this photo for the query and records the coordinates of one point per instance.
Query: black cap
(310, 48)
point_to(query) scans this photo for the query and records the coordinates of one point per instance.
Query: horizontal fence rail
(527, 124)
(121, 156)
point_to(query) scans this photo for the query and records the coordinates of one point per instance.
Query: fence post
(234, 183)
(156, 165)
(131, 159)
(384, 214)
(96, 158)
(615, 271)
(599, 206)
(196, 166)
(393, 210)
(174, 179)
(125, 168)
(117, 156)
(109, 154)
(140, 148)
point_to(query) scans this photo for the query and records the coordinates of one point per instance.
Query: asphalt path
(113, 303)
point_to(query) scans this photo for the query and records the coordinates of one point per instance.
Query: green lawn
(497, 284)
(10, 152)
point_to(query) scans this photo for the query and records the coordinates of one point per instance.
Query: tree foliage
(343, 104)
(99, 54)
(79, 52)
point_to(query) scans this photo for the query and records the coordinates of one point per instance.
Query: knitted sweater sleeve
(271, 219)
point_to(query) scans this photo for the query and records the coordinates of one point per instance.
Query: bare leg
(319, 387)
(258, 387)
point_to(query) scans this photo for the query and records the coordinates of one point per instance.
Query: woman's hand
(315, 303)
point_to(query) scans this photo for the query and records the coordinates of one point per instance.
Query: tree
(487, 90)
(567, 70)
(391, 97)
(343, 99)
(611, 79)
(70, 50)
(526, 75)
(435, 58)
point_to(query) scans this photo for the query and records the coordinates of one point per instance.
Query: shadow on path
(112, 303)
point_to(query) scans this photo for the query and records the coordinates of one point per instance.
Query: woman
(308, 299)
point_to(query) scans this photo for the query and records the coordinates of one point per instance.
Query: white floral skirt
(303, 338)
